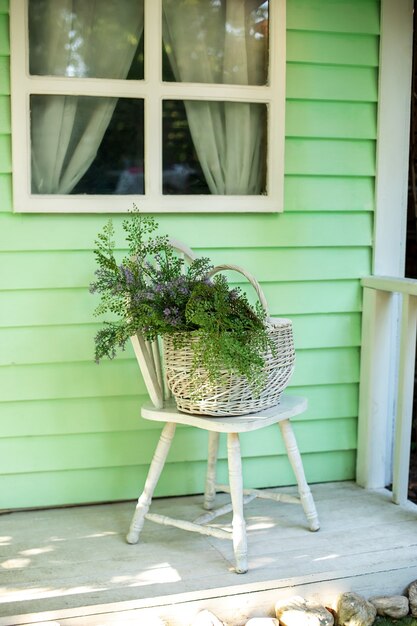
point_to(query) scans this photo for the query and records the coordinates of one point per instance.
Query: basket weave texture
(231, 395)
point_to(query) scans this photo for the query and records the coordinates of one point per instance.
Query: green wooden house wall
(70, 430)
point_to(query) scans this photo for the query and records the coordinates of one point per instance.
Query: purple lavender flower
(127, 273)
(172, 315)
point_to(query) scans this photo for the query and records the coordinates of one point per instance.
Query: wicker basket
(232, 394)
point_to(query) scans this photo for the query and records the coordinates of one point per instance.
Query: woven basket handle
(249, 276)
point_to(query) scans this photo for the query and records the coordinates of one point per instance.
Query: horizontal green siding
(5, 114)
(120, 483)
(4, 34)
(336, 120)
(331, 82)
(84, 378)
(76, 306)
(330, 157)
(119, 413)
(70, 429)
(332, 48)
(55, 344)
(4, 75)
(20, 233)
(352, 16)
(72, 269)
(5, 192)
(330, 193)
(90, 450)
(5, 154)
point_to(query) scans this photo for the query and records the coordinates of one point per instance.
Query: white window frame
(154, 91)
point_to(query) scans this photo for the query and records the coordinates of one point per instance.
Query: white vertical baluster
(374, 389)
(404, 415)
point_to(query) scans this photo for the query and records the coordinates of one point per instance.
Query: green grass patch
(389, 621)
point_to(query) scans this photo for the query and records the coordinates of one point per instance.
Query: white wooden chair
(161, 408)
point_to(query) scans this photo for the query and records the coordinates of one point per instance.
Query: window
(175, 105)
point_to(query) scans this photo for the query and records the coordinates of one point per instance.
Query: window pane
(221, 41)
(86, 145)
(214, 147)
(86, 39)
(182, 173)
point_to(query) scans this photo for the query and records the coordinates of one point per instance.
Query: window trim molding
(154, 91)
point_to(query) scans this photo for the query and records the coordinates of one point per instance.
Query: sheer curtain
(83, 39)
(213, 43)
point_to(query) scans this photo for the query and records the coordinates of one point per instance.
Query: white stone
(262, 621)
(391, 606)
(206, 618)
(412, 597)
(354, 610)
(297, 611)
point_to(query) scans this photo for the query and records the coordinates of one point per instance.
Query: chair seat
(288, 407)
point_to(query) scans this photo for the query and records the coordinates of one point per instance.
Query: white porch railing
(389, 322)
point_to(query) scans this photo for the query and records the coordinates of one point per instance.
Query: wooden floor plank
(76, 559)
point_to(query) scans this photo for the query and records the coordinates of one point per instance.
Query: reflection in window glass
(214, 147)
(224, 41)
(86, 39)
(87, 145)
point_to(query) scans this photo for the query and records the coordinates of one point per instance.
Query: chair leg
(154, 473)
(210, 489)
(297, 465)
(236, 492)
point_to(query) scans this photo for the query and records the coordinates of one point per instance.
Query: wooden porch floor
(73, 567)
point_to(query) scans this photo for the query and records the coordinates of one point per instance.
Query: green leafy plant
(152, 291)
(389, 621)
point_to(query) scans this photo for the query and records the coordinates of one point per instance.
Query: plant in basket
(216, 344)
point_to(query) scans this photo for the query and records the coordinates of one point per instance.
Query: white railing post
(374, 390)
(382, 372)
